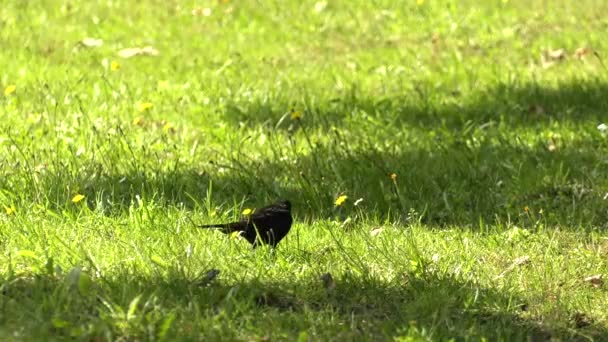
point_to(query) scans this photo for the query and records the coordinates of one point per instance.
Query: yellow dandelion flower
(246, 212)
(296, 114)
(114, 65)
(168, 127)
(77, 198)
(10, 210)
(340, 200)
(394, 177)
(143, 106)
(10, 89)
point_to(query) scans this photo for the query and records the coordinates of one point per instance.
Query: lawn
(464, 135)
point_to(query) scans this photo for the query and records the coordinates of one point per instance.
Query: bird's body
(265, 226)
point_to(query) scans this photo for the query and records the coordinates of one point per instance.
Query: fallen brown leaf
(581, 320)
(544, 63)
(595, 280)
(581, 52)
(519, 261)
(522, 260)
(131, 52)
(551, 57)
(557, 54)
(376, 231)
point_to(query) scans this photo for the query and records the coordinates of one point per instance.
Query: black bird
(266, 226)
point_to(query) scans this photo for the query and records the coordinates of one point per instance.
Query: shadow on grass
(429, 106)
(458, 177)
(451, 184)
(133, 306)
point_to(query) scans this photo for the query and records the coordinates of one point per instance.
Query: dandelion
(10, 89)
(143, 106)
(393, 177)
(340, 200)
(246, 212)
(296, 114)
(10, 210)
(168, 128)
(114, 66)
(77, 198)
(527, 210)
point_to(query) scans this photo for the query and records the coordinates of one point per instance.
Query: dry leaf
(581, 52)
(328, 281)
(549, 58)
(581, 320)
(91, 42)
(546, 64)
(557, 54)
(522, 260)
(595, 280)
(519, 261)
(376, 231)
(131, 52)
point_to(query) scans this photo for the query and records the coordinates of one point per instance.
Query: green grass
(497, 159)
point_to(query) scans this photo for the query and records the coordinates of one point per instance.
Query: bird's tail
(218, 225)
(226, 228)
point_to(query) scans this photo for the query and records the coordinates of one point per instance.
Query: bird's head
(284, 204)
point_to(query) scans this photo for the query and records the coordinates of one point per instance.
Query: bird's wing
(228, 228)
(266, 215)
